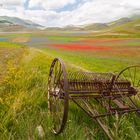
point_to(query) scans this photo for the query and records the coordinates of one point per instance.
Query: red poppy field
(99, 47)
(81, 47)
(87, 52)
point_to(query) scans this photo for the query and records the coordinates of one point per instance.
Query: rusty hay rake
(115, 93)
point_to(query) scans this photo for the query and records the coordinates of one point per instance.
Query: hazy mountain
(5, 22)
(8, 22)
(66, 28)
(96, 26)
(104, 26)
(120, 22)
(123, 25)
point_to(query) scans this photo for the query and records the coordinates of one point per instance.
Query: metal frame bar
(93, 113)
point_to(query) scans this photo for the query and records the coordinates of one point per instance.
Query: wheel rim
(57, 95)
(131, 74)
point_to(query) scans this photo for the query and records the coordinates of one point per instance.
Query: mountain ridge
(98, 26)
(9, 22)
(127, 25)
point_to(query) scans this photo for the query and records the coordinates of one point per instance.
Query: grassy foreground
(23, 100)
(22, 92)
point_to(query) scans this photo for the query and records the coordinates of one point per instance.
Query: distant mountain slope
(129, 26)
(96, 26)
(9, 22)
(5, 22)
(119, 22)
(120, 26)
(111, 25)
(66, 28)
(123, 25)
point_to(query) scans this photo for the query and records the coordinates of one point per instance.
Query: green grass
(63, 38)
(10, 44)
(23, 94)
(95, 61)
(10, 35)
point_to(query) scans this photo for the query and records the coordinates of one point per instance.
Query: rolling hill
(122, 26)
(17, 24)
(130, 26)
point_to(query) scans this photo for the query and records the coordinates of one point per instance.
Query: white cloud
(12, 2)
(50, 4)
(131, 3)
(88, 11)
(95, 11)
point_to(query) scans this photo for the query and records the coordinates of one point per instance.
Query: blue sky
(26, 3)
(67, 7)
(69, 12)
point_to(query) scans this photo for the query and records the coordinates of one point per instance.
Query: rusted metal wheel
(131, 74)
(58, 95)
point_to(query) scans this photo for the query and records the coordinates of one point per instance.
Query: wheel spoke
(124, 77)
(138, 85)
(134, 76)
(130, 76)
(58, 79)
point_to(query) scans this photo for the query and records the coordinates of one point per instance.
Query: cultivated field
(24, 66)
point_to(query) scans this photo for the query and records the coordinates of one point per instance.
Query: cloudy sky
(69, 12)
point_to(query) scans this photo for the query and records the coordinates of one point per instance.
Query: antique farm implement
(115, 93)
